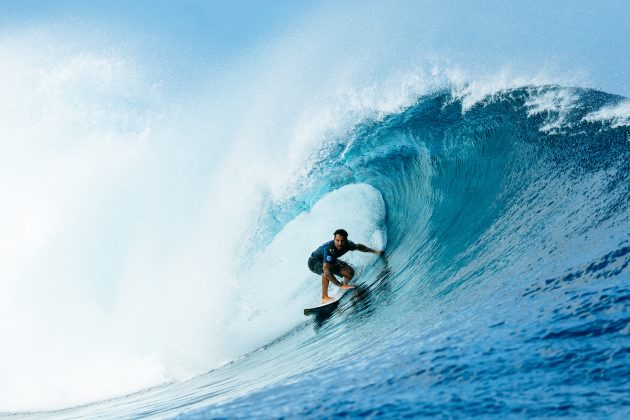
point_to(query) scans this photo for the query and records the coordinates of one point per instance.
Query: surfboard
(328, 306)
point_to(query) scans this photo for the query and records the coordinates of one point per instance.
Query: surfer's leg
(325, 281)
(346, 271)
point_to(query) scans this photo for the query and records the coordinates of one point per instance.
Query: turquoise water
(505, 290)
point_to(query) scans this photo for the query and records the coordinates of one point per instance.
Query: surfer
(324, 261)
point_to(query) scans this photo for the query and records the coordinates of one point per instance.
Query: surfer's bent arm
(363, 248)
(330, 275)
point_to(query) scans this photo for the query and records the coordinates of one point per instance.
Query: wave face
(505, 288)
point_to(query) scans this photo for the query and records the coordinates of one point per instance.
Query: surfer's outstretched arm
(363, 248)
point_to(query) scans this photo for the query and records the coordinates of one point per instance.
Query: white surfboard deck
(328, 305)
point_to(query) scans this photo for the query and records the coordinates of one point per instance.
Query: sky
(583, 38)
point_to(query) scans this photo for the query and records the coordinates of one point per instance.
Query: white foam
(72, 126)
(119, 252)
(618, 115)
(556, 103)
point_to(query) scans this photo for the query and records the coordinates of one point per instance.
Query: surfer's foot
(326, 299)
(347, 286)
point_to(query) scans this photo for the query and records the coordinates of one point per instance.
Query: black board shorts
(317, 266)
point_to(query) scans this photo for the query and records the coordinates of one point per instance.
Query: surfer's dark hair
(342, 233)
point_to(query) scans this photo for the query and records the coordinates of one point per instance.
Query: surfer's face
(339, 241)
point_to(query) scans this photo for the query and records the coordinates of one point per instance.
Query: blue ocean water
(504, 291)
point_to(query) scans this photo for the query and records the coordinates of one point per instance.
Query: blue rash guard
(327, 253)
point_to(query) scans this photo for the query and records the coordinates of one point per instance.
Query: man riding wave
(325, 261)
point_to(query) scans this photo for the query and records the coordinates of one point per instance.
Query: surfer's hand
(348, 286)
(380, 253)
